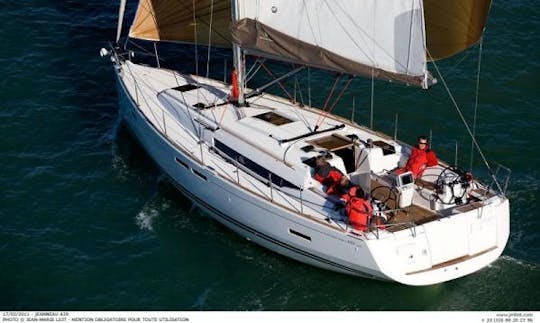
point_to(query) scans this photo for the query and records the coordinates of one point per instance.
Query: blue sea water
(87, 221)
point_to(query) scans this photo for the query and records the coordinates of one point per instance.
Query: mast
(120, 19)
(237, 57)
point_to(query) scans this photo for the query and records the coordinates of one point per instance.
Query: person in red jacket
(328, 175)
(358, 209)
(421, 157)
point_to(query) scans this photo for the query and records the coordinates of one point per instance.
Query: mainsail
(387, 39)
(383, 37)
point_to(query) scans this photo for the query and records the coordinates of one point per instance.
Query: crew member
(328, 175)
(233, 96)
(358, 209)
(421, 157)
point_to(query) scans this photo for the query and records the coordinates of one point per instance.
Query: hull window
(199, 174)
(301, 235)
(179, 161)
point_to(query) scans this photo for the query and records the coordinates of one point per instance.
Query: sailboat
(248, 158)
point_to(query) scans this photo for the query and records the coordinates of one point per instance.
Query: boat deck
(194, 117)
(401, 218)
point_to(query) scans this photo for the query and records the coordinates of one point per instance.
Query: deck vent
(186, 87)
(301, 235)
(273, 118)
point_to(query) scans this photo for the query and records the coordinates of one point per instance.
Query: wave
(521, 263)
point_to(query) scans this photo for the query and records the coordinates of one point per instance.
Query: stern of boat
(447, 248)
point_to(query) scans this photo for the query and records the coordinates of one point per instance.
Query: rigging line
(204, 22)
(300, 115)
(331, 91)
(223, 114)
(209, 39)
(299, 91)
(338, 97)
(323, 115)
(353, 20)
(279, 83)
(372, 100)
(190, 117)
(159, 106)
(341, 93)
(309, 86)
(476, 98)
(465, 123)
(453, 68)
(145, 51)
(254, 69)
(137, 86)
(195, 41)
(196, 64)
(450, 71)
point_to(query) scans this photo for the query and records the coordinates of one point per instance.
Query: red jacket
(329, 176)
(420, 159)
(358, 210)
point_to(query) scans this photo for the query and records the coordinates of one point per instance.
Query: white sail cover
(385, 38)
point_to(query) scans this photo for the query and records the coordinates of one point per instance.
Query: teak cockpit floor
(402, 218)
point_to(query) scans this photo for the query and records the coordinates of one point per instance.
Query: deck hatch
(186, 87)
(331, 142)
(273, 118)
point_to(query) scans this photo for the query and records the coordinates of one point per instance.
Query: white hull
(429, 253)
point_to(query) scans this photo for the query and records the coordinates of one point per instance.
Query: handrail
(506, 177)
(268, 180)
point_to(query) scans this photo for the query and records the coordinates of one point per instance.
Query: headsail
(452, 26)
(173, 20)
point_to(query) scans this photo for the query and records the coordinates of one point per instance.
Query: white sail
(352, 36)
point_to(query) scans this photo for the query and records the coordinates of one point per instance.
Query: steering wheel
(451, 185)
(384, 198)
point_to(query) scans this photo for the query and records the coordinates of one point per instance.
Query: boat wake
(522, 263)
(201, 300)
(147, 216)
